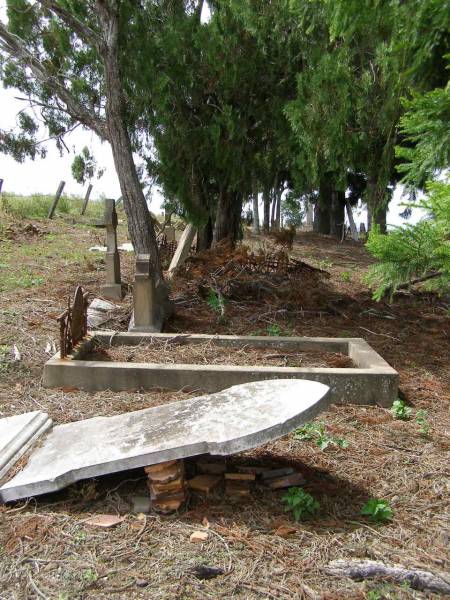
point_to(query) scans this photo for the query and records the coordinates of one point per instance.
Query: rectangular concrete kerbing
(373, 381)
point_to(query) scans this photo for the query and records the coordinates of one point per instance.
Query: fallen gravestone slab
(241, 417)
(100, 312)
(17, 434)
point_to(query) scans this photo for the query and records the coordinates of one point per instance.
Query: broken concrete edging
(373, 381)
(231, 421)
(17, 434)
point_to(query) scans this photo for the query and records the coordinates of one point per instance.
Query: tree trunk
(309, 209)
(322, 208)
(228, 217)
(255, 226)
(274, 208)
(321, 219)
(376, 206)
(278, 211)
(337, 214)
(266, 200)
(205, 236)
(140, 226)
(351, 220)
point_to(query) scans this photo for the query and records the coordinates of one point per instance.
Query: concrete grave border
(373, 381)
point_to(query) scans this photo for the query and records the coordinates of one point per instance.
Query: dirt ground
(48, 551)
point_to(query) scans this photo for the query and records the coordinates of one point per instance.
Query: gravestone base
(112, 291)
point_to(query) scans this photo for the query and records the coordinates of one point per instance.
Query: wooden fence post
(59, 191)
(86, 199)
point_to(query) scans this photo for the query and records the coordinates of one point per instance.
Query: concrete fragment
(104, 521)
(239, 418)
(183, 249)
(199, 537)
(113, 286)
(17, 435)
(148, 311)
(99, 312)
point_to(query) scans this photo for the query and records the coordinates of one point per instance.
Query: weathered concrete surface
(242, 417)
(17, 434)
(373, 381)
(183, 248)
(113, 287)
(148, 304)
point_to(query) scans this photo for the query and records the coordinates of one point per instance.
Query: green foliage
(317, 432)
(426, 127)
(414, 251)
(84, 167)
(400, 410)
(377, 510)
(273, 330)
(36, 206)
(346, 276)
(422, 422)
(291, 210)
(300, 503)
(216, 302)
(90, 575)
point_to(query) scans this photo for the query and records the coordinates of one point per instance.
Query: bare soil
(210, 353)
(48, 551)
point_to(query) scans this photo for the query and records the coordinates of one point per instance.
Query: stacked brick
(167, 485)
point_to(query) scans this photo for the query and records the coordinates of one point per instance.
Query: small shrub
(422, 421)
(300, 503)
(318, 433)
(400, 410)
(346, 276)
(377, 510)
(273, 330)
(216, 302)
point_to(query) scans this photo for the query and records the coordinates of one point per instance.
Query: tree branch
(15, 47)
(84, 31)
(368, 569)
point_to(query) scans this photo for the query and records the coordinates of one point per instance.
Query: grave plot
(354, 372)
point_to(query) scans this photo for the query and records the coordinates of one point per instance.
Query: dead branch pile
(238, 273)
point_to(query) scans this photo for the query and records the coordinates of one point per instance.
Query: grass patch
(36, 206)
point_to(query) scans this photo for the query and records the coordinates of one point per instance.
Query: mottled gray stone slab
(239, 418)
(17, 434)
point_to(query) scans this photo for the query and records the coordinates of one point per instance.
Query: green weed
(317, 432)
(400, 410)
(377, 510)
(346, 276)
(273, 330)
(216, 302)
(422, 421)
(300, 503)
(90, 575)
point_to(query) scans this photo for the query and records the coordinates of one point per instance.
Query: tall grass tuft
(37, 206)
